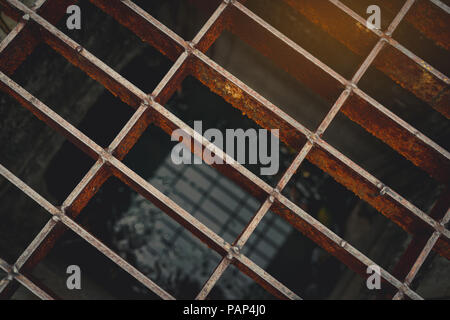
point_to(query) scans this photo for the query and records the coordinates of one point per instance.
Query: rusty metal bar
(171, 128)
(326, 82)
(212, 29)
(191, 59)
(60, 216)
(254, 222)
(432, 240)
(397, 62)
(430, 18)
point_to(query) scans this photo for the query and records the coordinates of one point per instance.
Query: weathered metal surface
(398, 134)
(431, 19)
(401, 65)
(19, 43)
(131, 16)
(189, 59)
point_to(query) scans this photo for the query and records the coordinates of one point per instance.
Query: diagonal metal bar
(98, 174)
(95, 151)
(419, 242)
(13, 274)
(426, 154)
(191, 59)
(22, 40)
(173, 210)
(416, 214)
(59, 216)
(423, 256)
(397, 62)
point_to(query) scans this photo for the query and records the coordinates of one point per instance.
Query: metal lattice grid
(36, 24)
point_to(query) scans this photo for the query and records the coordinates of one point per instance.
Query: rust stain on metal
(397, 62)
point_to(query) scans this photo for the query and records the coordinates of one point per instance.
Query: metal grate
(36, 24)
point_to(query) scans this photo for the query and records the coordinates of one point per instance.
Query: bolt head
(15, 270)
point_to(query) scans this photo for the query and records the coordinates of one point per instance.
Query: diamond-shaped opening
(106, 38)
(310, 25)
(70, 92)
(273, 83)
(384, 163)
(29, 146)
(22, 220)
(212, 198)
(149, 239)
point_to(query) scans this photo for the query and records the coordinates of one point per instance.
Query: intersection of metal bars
(36, 24)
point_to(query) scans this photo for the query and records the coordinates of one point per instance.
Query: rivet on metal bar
(350, 87)
(190, 47)
(26, 17)
(312, 138)
(79, 49)
(343, 243)
(384, 191)
(273, 194)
